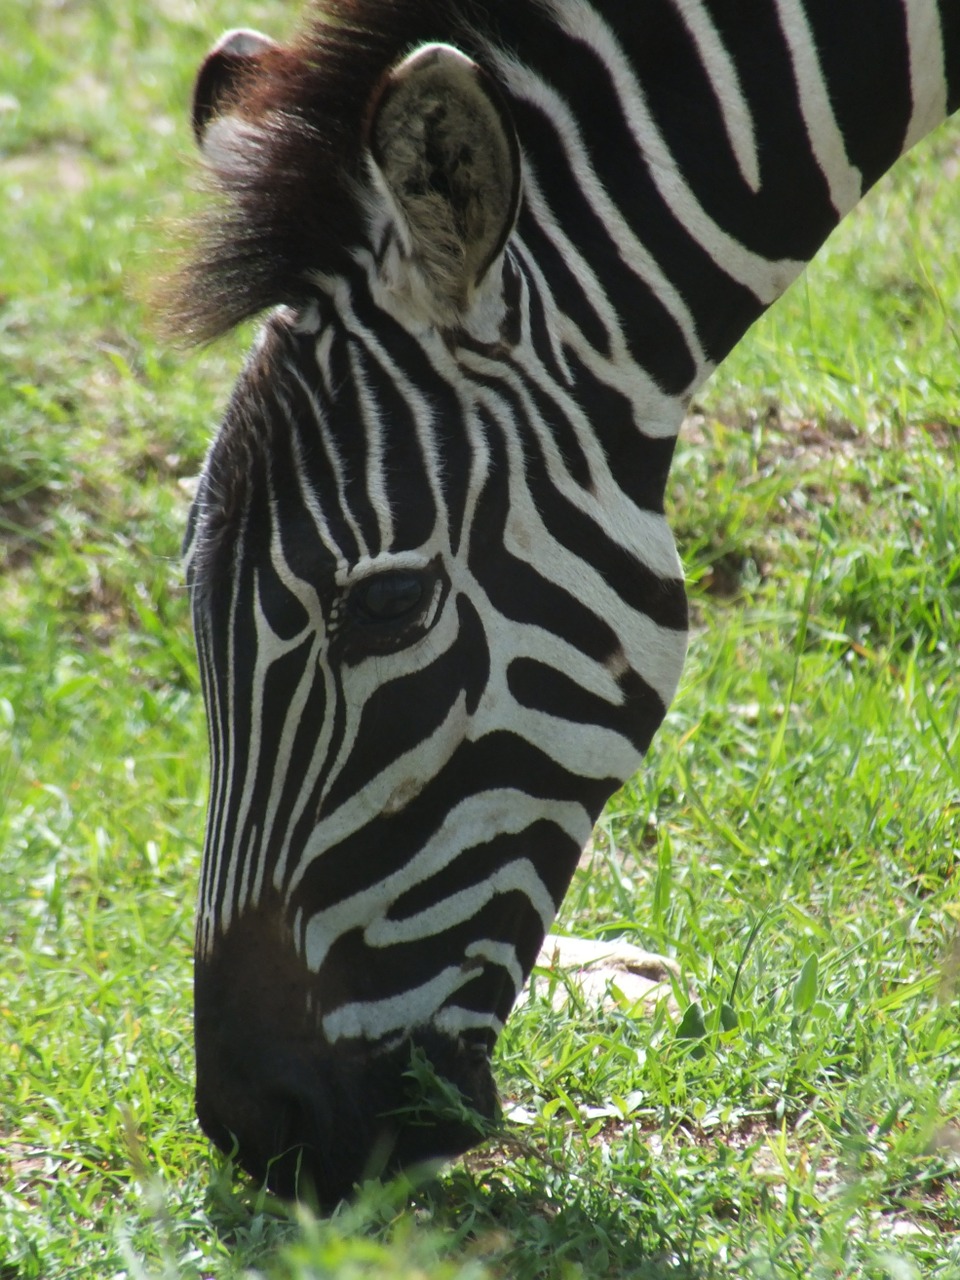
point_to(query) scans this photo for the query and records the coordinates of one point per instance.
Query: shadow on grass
(525, 1221)
(532, 1222)
(509, 1209)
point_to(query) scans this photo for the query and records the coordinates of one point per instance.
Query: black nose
(314, 1122)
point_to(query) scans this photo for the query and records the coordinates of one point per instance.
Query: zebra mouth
(314, 1125)
(314, 1114)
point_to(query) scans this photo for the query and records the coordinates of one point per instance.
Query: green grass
(793, 841)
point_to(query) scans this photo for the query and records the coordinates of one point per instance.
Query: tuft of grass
(793, 840)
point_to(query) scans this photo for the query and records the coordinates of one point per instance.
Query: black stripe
(662, 599)
(300, 416)
(542, 688)
(791, 214)
(402, 713)
(950, 21)
(567, 293)
(874, 104)
(720, 306)
(654, 338)
(639, 464)
(497, 761)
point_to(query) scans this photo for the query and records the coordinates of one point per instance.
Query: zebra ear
(446, 164)
(216, 88)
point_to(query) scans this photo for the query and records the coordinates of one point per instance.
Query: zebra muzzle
(315, 1125)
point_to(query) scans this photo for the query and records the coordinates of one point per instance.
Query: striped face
(435, 633)
(425, 672)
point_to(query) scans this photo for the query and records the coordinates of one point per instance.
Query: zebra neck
(693, 155)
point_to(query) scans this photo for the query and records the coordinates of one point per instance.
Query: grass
(793, 841)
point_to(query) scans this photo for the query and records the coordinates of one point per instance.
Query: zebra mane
(290, 205)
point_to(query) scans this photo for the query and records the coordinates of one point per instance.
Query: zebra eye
(386, 598)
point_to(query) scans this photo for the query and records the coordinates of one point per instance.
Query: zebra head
(435, 633)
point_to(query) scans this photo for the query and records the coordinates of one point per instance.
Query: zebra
(438, 611)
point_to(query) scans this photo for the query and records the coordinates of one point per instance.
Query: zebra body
(439, 612)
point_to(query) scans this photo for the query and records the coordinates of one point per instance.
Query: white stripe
(499, 953)
(764, 278)
(314, 670)
(309, 498)
(306, 594)
(335, 463)
(416, 1006)
(511, 640)
(655, 413)
(270, 648)
(927, 69)
(454, 1020)
(466, 825)
(518, 876)
(645, 534)
(479, 473)
(421, 411)
(422, 762)
(206, 923)
(719, 69)
(560, 329)
(372, 430)
(221, 796)
(844, 180)
(623, 239)
(656, 653)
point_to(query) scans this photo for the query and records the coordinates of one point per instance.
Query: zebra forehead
(266, 464)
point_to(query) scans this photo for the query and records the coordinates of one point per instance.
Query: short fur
(294, 208)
